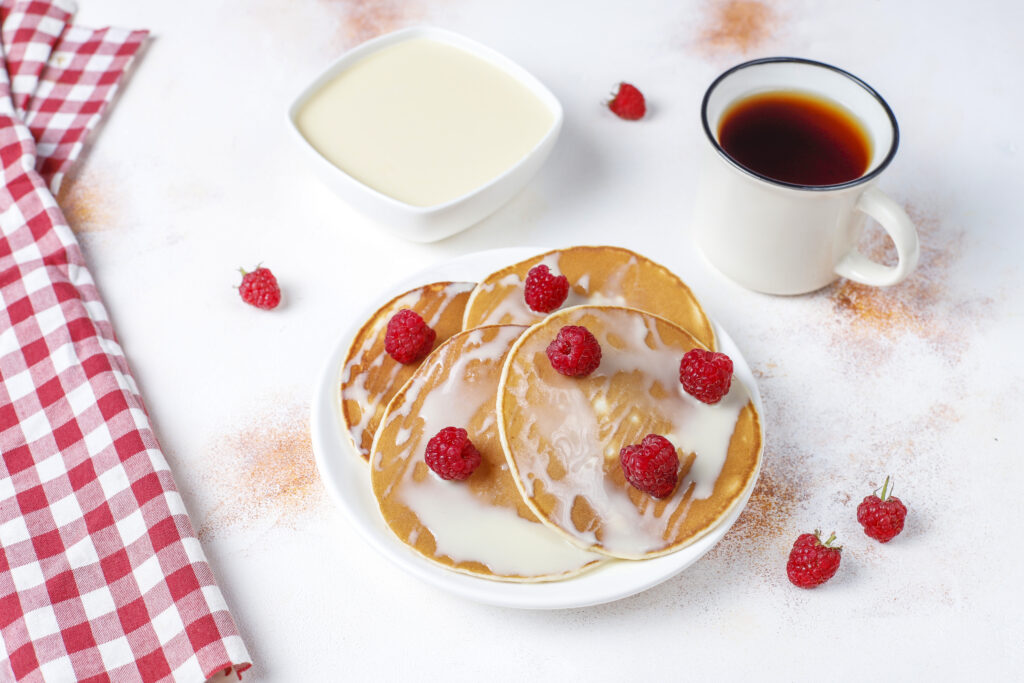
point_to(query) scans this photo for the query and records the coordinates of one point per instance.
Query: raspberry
(451, 454)
(882, 518)
(706, 375)
(651, 466)
(259, 288)
(628, 103)
(574, 352)
(545, 292)
(811, 562)
(408, 338)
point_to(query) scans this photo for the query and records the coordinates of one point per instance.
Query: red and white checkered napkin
(101, 575)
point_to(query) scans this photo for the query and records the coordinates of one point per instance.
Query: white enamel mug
(784, 238)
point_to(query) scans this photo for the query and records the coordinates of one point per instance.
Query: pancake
(479, 526)
(598, 276)
(562, 435)
(370, 377)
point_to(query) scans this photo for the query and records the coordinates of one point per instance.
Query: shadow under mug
(784, 238)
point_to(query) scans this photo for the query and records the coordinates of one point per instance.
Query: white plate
(347, 477)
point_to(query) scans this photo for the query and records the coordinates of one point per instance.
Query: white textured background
(194, 175)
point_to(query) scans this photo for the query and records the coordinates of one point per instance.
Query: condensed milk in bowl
(425, 130)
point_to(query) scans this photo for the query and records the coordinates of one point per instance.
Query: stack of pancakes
(549, 499)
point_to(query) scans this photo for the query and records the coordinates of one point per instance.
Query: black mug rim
(867, 177)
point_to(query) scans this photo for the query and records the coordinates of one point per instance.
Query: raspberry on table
(408, 339)
(574, 352)
(259, 288)
(882, 516)
(451, 454)
(545, 291)
(811, 562)
(706, 375)
(651, 466)
(628, 103)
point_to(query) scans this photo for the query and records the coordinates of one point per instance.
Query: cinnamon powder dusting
(766, 524)
(264, 471)
(920, 305)
(736, 26)
(87, 202)
(766, 513)
(366, 19)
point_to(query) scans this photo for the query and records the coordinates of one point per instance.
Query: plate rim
(328, 437)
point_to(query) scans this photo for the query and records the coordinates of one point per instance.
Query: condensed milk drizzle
(356, 373)
(513, 309)
(465, 526)
(580, 432)
(358, 391)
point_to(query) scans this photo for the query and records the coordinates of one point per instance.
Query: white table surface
(194, 175)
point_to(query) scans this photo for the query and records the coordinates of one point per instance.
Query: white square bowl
(430, 223)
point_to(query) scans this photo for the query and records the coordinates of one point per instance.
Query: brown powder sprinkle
(265, 470)
(921, 304)
(765, 525)
(736, 26)
(366, 19)
(87, 201)
(769, 508)
(788, 480)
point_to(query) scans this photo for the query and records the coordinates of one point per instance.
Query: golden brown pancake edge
(741, 466)
(491, 481)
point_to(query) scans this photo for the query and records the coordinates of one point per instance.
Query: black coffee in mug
(795, 137)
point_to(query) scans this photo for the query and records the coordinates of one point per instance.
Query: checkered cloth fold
(101, 575)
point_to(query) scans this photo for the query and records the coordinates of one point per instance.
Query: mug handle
(894, 220)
